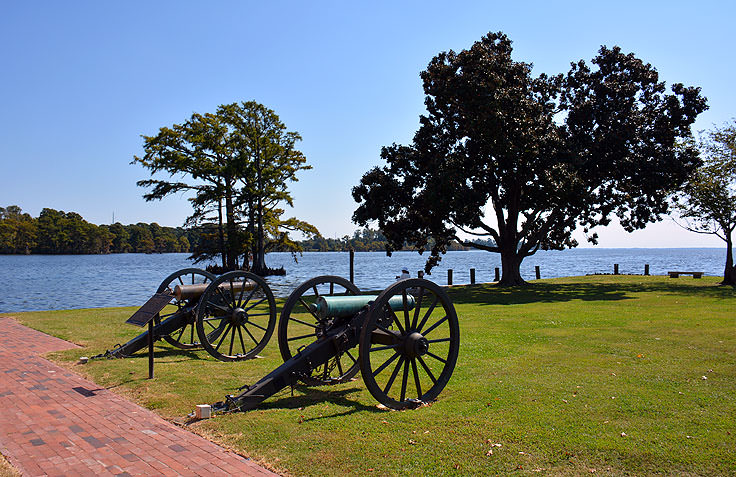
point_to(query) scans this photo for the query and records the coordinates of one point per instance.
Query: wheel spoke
(304, 304)
(300, 337)
(332, 288)
(339, 366)
(429, 312)
(303, 322)
(416, 310)
(393, 376)
(347, 352)
(257, 326)
(432, 328)
(242, 290)
(223, 297)
(180, 280)
(224, 335)
(191, 334)
(178, 338)
(426, 369)
(232, 297)
(404, 380)
(385, 365)
(232, 340)
(416, 378)
(382, 348)
(441, 340)
(219, 307)
(256, 303)
(250, 295)
(250, 334)
(436, 357)
(405, 304)
(240, 335)
(316, 292)
(396, 320)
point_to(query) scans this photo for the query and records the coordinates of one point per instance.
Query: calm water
(53, 282)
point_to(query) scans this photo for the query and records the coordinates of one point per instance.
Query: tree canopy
(237, 163)
(525, 160)
(708, 202)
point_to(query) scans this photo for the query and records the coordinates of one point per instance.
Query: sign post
(145, 315)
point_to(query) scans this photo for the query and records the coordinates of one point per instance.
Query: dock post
(352, 266)
(472, 276)
(536, 270)
(497, 276)
(449, 277)
(615, 268)
(646, 269)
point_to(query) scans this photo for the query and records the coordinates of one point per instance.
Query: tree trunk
(221, 233)
(259, 259)
(511, 269)
(232, 232)
(729, 273)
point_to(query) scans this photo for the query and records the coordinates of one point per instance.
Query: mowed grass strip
(612, 374)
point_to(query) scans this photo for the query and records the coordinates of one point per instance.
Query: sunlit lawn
(621, 375)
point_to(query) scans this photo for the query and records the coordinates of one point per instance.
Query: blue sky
(81, 81)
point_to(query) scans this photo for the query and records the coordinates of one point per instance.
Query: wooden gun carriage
(232, 316)
(407, 339)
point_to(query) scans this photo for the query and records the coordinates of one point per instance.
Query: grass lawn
(612, 374)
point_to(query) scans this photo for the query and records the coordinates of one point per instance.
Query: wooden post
(536, 270)
(497, 276)
(646, 269)
(449, 277)
(352, 266)
(615, 268)
(472, 276)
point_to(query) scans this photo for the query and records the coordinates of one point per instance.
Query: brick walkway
(53, 422)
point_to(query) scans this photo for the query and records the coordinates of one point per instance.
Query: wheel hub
(415, 345)
(239, 316)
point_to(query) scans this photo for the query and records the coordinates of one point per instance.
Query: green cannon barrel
(346, 306)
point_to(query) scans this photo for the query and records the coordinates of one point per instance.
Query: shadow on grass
(317, 396)
(550, 292)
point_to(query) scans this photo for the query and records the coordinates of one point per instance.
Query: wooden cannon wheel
(235, 322)
(184, 337)
(299, 326)
(407, 356)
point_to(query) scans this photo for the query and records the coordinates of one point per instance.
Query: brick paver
(54, 422)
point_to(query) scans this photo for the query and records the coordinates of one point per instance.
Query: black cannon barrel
(187, 292)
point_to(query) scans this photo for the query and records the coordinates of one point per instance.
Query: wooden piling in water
(615, 268)
(352, 266)
(536, 271)
(472, 276)
(449, 277)
(497, 275)
(646, 269)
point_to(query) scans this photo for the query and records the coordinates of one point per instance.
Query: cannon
(407, 338)
(232, 316)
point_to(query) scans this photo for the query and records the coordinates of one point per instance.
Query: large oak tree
(525, 159)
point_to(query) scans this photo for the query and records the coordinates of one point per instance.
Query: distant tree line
(59, 232)
(362, 240)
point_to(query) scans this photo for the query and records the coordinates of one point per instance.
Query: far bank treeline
(59, 232)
